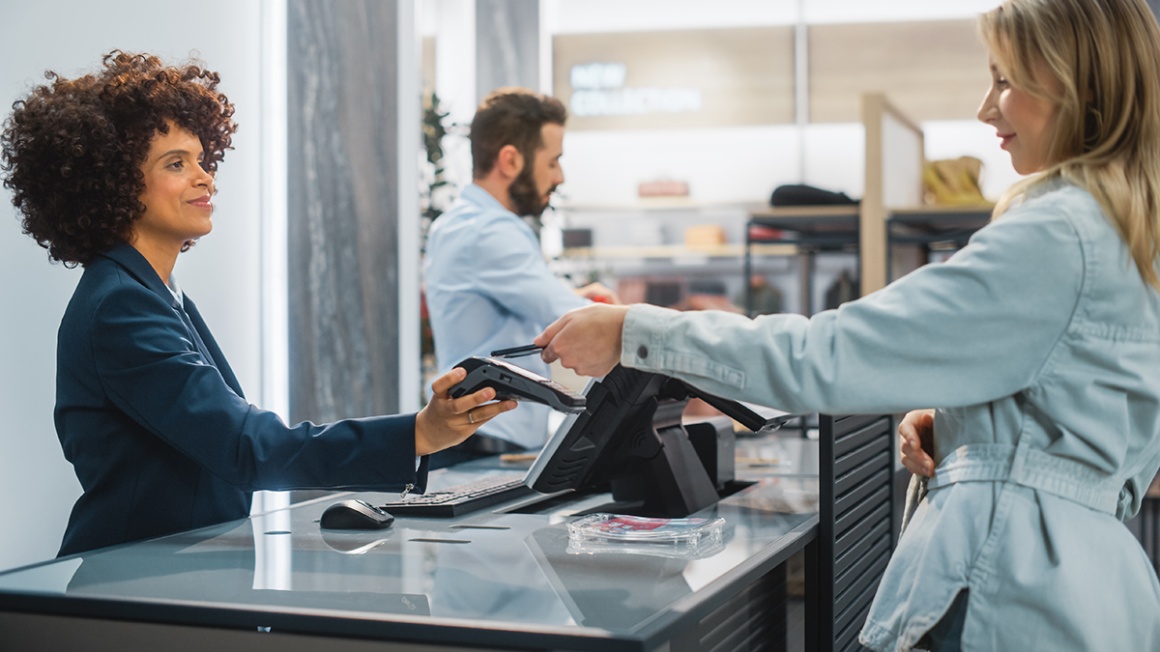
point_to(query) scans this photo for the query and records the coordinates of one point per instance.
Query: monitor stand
(663, 475)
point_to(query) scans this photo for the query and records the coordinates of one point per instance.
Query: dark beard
(525, 199)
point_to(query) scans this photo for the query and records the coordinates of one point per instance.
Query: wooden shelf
(929, 224)
(821, 228)
(654, 204)
(677, 251)
(804, 212)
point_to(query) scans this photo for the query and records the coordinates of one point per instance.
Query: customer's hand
(598, 293)
(585, 340)
(916, 442)
(448, 421)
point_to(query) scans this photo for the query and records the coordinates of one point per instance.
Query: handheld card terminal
(512, 382)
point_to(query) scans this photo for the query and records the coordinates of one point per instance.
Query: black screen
(630, 437)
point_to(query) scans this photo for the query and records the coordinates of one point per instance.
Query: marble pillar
(507, 45)
(343, 235)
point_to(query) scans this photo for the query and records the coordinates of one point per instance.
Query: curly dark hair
(72, 149)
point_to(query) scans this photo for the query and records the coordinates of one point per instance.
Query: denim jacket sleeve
(977, 327)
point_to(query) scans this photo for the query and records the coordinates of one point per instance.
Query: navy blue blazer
(157, 428)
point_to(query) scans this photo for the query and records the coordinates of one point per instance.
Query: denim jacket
(1039, 345)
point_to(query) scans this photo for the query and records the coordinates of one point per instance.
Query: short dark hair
(72, 149)
(511, 116)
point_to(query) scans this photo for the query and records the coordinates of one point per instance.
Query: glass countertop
(511, 570)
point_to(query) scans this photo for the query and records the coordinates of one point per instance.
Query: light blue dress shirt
(1040, 345)
(488, 287)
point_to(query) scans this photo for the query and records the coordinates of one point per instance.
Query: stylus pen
(517, 352)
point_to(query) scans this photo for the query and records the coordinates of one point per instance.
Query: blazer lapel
(133, 262)
(214, 350)
(139, 268)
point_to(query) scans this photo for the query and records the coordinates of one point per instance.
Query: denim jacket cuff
(642, 338)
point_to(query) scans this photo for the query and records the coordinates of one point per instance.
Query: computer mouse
(355, 514)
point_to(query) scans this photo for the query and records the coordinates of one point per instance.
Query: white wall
(744, 165)
(644, 15)
(37, 486)
(720, 165)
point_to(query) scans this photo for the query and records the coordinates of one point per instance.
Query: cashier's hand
(585, 340)
(916, 442)
(448, 421)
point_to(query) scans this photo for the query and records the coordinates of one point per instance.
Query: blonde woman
(1038, 343)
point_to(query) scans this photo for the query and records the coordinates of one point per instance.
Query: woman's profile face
(1022, 121)
(178, 194)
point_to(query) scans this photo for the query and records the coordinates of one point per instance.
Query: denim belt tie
(1029, 467)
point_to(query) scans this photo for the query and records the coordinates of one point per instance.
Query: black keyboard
(462, 498)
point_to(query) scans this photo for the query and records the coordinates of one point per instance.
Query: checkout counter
(502, 578)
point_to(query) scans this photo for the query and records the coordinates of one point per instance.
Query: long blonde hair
(1106, 138)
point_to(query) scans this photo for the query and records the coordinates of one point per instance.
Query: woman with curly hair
(115, 171)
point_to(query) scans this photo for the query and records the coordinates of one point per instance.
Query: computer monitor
(631, 437)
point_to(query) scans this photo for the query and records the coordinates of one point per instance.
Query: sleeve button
(642, 352)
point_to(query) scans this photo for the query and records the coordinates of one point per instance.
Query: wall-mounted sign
(598, 89)
(675, 79)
